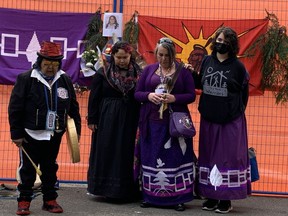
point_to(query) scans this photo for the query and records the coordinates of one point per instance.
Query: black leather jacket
(28, 107)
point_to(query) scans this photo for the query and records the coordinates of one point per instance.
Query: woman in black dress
(113, 115)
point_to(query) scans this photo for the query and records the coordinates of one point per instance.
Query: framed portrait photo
(112, 23)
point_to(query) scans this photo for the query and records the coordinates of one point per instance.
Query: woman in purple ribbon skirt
(224, 172)
(166, 163)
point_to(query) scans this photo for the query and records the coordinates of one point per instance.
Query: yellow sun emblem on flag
(196, 48)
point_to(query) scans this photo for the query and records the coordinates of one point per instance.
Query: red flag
(193, 39)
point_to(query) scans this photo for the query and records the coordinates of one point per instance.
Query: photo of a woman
(112, 24)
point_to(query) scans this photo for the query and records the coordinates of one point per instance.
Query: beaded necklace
(162, 76)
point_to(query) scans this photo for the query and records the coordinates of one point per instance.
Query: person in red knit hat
(39, 104)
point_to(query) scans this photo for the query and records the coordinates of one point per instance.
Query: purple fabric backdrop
(23, 31)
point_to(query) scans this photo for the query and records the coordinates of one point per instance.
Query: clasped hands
(161, 98)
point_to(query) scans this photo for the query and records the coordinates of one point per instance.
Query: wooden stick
(38, 171)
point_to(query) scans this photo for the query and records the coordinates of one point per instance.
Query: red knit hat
(50, 50)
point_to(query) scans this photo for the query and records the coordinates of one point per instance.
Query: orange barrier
(182, 9)
(267, 122)
(267, 133)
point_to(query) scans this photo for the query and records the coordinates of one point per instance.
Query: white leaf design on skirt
(215, 177)
(182, 144)
(168, 144)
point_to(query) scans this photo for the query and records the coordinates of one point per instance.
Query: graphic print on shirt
(215, 82)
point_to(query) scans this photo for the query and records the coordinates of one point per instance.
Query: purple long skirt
(224, 169)
(167, 166)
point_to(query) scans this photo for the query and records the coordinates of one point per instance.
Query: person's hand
(92, 127)
(155, 98)
(188, 66)
(18, 142)
(167, 98)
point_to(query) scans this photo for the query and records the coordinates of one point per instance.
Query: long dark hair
(232, 39)
(116, 23)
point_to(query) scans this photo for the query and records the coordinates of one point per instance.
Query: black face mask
(221, 48)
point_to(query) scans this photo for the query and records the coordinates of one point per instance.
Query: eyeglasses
(165, 40)
(51, 63)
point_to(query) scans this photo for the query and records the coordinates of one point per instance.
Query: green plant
(94, 32)
(131, 30)
(273, 46)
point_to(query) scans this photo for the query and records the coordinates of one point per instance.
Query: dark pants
(43, 153)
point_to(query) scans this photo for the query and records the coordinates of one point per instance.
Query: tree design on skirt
(215, 177)
(161, 180)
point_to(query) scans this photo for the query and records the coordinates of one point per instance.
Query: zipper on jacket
(51, 100)
(37, 113)
(65, 117)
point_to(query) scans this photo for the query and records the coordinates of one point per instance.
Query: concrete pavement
(75, 201)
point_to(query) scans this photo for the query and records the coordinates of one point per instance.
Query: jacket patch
(62, 93)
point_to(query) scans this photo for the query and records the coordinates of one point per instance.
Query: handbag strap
(176, 74)
(173, 81)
